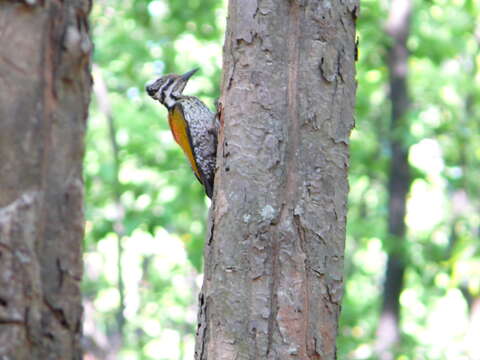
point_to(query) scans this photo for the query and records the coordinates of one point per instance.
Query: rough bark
(274, 255)
(44, 94)
(398, 26)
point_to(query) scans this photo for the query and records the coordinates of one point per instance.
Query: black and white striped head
(168, 88)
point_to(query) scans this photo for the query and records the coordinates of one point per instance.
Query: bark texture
(274, 255)
(398, 27)
(44, 95)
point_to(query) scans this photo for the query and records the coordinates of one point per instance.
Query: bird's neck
(171, 99)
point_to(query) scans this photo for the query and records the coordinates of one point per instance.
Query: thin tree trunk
(44, 95)
(274, 255)
(398, 26)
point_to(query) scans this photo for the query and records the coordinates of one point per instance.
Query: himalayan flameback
(193, 125)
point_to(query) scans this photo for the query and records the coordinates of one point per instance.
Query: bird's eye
(151, 90)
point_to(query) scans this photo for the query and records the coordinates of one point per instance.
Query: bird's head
(169, 87)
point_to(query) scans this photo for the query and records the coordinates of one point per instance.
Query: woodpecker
(193, 125)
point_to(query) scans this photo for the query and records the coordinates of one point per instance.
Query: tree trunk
(398, 26)
(44, 94)
(274, 254)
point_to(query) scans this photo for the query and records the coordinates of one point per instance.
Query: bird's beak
(187, 75)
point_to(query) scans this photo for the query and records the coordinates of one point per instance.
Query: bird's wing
(181, 133)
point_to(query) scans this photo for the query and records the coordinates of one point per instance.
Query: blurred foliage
(160, 212)
(442, 248)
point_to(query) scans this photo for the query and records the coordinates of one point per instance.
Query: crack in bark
(11, 321)
(61, 273)
(48, 105)
(312, 354)
(292, 145)
(202, 325)
(230, 78)
(12, 65)
(293, 131)
(58, 313)
(5, 247)
(340, 55)
(3, 302)
(273, 294)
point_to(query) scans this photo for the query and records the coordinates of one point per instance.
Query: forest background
(146, 212)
